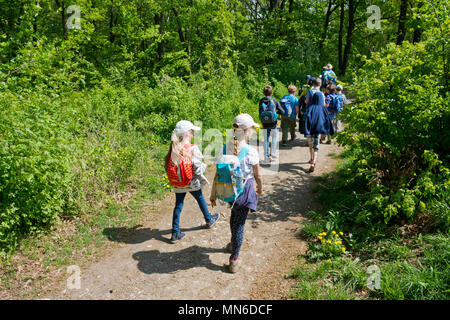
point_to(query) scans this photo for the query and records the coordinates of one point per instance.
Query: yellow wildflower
(329, 260)
(320, 238)
(336, 243)
(329, 241)
(341, 233)
(343, 249)
(334, 232)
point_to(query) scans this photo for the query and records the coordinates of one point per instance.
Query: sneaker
(233, 266)
(177, 236)
(213, 220)
(283, 143)
(313, 166)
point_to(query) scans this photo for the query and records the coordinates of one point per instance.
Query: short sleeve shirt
(250, 159)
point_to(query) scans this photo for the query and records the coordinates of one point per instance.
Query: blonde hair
(176, 150)
(292, 89)
(239, 136)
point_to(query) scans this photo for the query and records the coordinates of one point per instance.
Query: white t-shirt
(250, 159)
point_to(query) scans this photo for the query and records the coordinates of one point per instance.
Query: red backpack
(181, 175)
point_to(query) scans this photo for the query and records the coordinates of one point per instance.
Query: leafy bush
(395, 133)
(67, 154)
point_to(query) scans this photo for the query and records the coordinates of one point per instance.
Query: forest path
(148, 266)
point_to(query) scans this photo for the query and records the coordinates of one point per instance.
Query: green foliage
(395, 133)
(67, 155)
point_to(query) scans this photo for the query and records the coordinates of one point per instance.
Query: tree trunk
(350, 29)
(159, 19)
(180, 27)
(111, 23)
(401, 33)
(63, 17)
(325, 26)
(330, 11)
(291, 6)
(341, 34)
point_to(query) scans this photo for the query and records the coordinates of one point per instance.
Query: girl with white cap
(181, 148)
(243, 126)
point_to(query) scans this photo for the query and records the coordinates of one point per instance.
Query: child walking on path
(334, 105)
(317, 122)
(269, 105)
(290, 106)
(243, 126)
(182, 150)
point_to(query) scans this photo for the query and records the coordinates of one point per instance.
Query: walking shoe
(283, 143)
(233, 266)
(213, 220)
(311, 169)
(177, 236)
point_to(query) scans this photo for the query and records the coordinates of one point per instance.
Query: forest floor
(147, 266)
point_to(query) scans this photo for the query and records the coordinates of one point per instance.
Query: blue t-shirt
(292, 102)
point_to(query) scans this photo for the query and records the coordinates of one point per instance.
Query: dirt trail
(148, 266)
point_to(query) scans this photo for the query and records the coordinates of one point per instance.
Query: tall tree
(401, 32)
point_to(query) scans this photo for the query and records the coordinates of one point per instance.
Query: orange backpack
(181, 175)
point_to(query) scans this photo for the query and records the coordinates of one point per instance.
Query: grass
(40, 262)
(409, 262)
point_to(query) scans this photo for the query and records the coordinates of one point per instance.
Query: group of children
(318, 116)
(185, 171)
(237, 168)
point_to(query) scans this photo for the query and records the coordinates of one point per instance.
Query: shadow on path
(154, 261)
(135, 235)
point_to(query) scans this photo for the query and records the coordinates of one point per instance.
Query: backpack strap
(245, 149)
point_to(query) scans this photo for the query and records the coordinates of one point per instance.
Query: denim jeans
(179, 199)
(273, 141)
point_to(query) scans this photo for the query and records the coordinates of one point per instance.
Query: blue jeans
(273, 141)
(179, 199)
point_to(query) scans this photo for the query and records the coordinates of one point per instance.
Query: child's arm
(213, 197)
(258, 178)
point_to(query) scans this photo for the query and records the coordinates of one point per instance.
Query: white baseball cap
(339, 87)
(245, 121)
(184, 126)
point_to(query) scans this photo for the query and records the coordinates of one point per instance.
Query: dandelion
(168, 186)
(320, 238)
(336, 243)
(341, 233)
(329, 260)
(333, 232)
(324, 233)
(343, 249)
(329, 241)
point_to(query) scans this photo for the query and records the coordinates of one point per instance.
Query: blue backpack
(336, 103)
(229, 182)
(268, 114)
(286, 103)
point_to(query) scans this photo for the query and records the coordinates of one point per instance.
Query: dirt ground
(148, 266)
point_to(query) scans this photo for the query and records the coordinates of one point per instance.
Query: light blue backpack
(229, 182)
